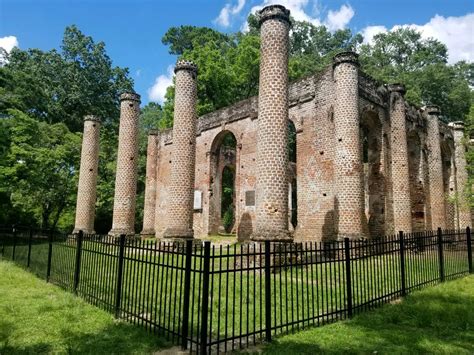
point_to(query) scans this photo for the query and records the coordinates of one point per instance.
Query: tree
(404, 56)
(64, 86)
(39, 168)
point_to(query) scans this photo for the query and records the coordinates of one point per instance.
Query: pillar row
(435, 169)
(272, 135)
(87, 188)
(464, 190)
(150, 184)
(348, 168)
(127, 164)
(400, 172)
(183, 158)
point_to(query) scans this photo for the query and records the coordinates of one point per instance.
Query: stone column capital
(346, 57)
(186, 65)
(433, 110)
(274, 12)
(397, 87)
(92, 118)
(457, 125)
(130, 96)
(153, 132)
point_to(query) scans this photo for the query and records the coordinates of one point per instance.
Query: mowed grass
(36, 317)
(436, 320)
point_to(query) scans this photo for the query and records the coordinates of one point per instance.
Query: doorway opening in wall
(374, 179)
(222, 206)
(293, 196)
(416, 166)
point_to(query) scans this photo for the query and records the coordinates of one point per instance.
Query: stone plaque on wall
(250, 198)
(197, 200)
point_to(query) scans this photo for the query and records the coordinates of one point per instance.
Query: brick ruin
(364, 162)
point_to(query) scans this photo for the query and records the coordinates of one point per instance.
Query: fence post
(205, 296)
(440, 254)
(469, 249)
(187, 290)
(77, 270)
(402, 263)
(268, 298)
(347, 252)
(14, 243)
(118, 289)
(30, 240)
(50, 254)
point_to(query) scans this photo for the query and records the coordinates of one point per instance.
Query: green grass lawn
(437, 319)
(36, 317)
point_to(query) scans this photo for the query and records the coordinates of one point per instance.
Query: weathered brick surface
(464, 190)
(150, 184)
(435, 167)
(127, 159)
(341, 102)
(272, 134)
(349, 184)
(87, 188)
(183, 160)
(402, 212)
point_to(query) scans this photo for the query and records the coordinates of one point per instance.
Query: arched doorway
(222, 187)
(374, 180)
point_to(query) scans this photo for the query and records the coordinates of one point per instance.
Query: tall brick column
(435, 169)
(150, 184)
(348, 169)
(402, 220)
(87, 188)
(127, 162)
(463, 189)
(272, 137)
(183, 160)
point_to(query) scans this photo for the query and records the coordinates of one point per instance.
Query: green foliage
(64, 86)
(229, 64)
(38, 169)
(54, 90)
(403, 56)
(228, 219)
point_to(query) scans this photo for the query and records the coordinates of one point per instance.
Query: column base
(178, 233)
(85, 231)
(117, 232)
(273, 236)
(147, 233)
(352, 236)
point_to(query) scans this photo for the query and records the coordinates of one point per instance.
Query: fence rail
(210, 298)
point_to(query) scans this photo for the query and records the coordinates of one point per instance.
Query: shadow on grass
(119, 338)
(436, 320)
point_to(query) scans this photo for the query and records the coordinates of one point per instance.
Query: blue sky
(132, 30)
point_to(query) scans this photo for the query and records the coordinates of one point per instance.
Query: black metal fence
(211, 298)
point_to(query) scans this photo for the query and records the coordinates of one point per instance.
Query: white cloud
(457, 33)
(337, 20)
(157, 92)
(8, 42)
(227, 11)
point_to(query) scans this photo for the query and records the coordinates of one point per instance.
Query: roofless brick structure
(87, 188)
(363, 162)
(127, 159)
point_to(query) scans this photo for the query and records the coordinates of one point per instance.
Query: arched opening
(222, 188)
(293, 196)
(374, 180)
(417, 182)
(449, 183)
